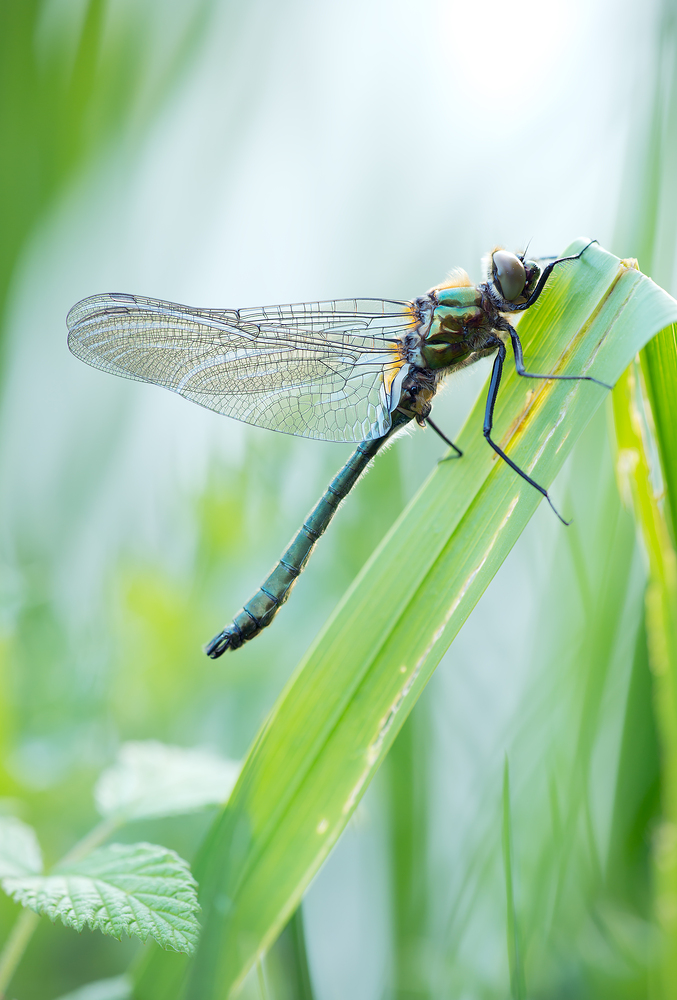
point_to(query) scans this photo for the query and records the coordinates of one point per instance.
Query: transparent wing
(330, 370)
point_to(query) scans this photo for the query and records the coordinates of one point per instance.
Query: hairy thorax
(458, 324)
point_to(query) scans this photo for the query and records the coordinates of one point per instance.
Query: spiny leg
(492, 395)
(519, 362)
(546, 274)
(459, 453)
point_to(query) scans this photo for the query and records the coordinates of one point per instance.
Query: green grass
(652, 512)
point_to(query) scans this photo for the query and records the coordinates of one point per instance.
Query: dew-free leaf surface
(138, 889)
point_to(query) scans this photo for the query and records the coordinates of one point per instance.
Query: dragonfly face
(342, 370)
(513, 277)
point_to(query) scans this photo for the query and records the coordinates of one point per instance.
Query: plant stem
(91, 840)
(15, 946)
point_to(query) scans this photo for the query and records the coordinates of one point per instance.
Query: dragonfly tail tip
(218, 645)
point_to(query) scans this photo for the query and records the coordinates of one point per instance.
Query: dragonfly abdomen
(259, 612)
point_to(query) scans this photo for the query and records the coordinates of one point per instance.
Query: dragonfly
(345, 370)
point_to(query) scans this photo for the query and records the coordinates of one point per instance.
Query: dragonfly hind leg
(489, 422)
(505, 327)
(521, 370)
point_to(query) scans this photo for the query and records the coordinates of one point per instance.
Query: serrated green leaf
(137, 889)
(152, 779)
(19, 848)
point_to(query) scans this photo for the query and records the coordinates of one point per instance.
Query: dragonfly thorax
(462, 320)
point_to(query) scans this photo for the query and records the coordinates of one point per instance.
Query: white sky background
(314, 150)
(379, 144)
(317, 150)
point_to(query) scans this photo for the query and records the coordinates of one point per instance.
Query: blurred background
(218, 153)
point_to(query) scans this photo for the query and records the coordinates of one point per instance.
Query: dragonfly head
(513, 277)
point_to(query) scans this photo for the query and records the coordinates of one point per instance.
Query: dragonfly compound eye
(508, 274)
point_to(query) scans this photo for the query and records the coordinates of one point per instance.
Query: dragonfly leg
(547, 271)
(492, 395)
(459, 453)
(519, 362)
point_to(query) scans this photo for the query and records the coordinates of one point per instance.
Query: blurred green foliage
(74, 79)
(79, 81)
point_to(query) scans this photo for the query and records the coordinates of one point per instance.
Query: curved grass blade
(342, 709)
(634, 423)
(659, 367)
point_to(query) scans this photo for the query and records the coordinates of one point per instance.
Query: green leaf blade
(638, 413)
(659, 364)
(136, 889)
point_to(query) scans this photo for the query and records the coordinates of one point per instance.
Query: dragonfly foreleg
(496, 373)
(459, 453)
(547, 271)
